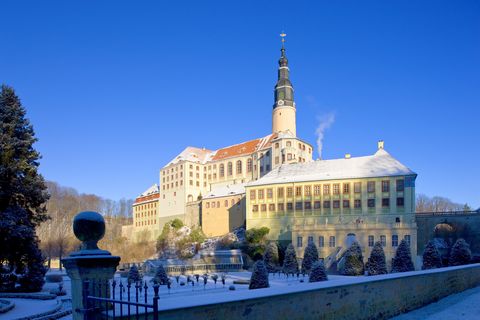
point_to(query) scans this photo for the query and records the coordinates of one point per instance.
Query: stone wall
(378, 297)
(464, 225)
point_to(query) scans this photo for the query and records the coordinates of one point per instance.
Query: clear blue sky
(116, 89)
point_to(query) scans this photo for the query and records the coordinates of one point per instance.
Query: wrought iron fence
(112, 300)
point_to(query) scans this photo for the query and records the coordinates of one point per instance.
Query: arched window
(222, 170)
(229, 169)
(249, 165)
(239, 166)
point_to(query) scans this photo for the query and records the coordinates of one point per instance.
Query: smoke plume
(325, 122)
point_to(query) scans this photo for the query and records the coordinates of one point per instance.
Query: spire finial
(283, 35)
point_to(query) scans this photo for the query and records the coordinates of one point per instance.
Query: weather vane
(283, 35)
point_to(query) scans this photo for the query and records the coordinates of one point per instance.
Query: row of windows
(308, 190)
(145, 206)
(226, 203)
(371, 241)
(145, 223)
(144, 214)
(307, 205)
(301, 146)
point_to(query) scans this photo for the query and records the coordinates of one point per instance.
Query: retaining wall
(379, 297)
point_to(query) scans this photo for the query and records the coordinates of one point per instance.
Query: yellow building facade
(332, 202)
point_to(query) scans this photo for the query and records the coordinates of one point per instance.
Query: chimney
(380, 144)
(348, 155)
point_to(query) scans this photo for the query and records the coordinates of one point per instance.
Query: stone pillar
(90, 268)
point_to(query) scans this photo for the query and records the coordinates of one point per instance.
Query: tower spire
(284, 105)
(283, 87)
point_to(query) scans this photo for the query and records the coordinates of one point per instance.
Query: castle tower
(284, 111)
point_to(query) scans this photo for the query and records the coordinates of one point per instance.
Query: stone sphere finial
(89, 227)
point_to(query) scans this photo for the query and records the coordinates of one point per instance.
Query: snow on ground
(464, 305)
(28, 307)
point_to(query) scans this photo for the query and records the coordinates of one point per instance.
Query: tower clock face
(280, 102)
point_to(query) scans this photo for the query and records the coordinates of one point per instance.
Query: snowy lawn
(28, 307)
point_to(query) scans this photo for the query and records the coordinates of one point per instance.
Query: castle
(273, 181)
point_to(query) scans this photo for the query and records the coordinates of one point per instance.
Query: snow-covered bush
(133, 274)
(402, 262)
(460, 253)
(353, 261)
(310, 256)
(160, 275)
(431, 257)
(377, 263)
(259, 277)
(270, 257)
(290, 264)
(317, 272)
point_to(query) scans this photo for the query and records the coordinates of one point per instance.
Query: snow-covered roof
(153, 189)
(193, 154)
(380, 164)
(229, 190)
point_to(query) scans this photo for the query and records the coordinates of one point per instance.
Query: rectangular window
(280, 192)
(321, 241)
(289, 156)
(252, 194)
(308, 205)
(371, 203)
(336, 188)
(213, 204)
(207, 205)
(289, 206)
(298, 205)
(326, 189)
(336, 204)
(281, 207)
(255, 208)
(316, 205)
(383, 240)
(271, 207)
(310, 239)
(386, 186)
(316, 190)
(357, 203)
(299, 242)
(326, 204)
(308, 191)
(407, 239)
(400, 185)
(394, 240)
(371, 241)
(385, 202)
(400, 202)
(269, 193)
(298, 191)
(260, 194)
(346, 188)
(370, 186)
(357, 187)
(289, 192)
(263, 207)
(331, 242)
(346, 204)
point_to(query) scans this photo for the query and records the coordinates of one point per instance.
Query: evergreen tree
(22, 198)
(133, 274)
(270, 257)
(259, 277)
(317, 272)
(290, 264)
(460, 253)
(402, 262)
(431, 257)
(377, 263)
(310, 256)
(353, 261)
(160, 275)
